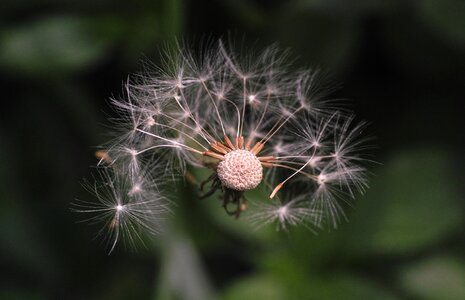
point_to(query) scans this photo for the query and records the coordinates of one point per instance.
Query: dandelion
(254, 123)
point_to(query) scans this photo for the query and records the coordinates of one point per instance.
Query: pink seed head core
(240, 170)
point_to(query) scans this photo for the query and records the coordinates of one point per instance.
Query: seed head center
(240, 170)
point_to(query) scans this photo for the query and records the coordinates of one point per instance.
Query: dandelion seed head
(240, 170)
(248, 118)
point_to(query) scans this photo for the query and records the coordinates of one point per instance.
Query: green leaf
(338, 286)
(50, 46)
(183, 275)
(441, 278)
(413, 203)
(347, 287)
(259, 287)
(12, 294)
(445, 17)
(343, 8)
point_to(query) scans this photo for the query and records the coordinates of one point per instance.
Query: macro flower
(253, 122)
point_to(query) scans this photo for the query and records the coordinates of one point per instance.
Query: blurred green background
(402, 64)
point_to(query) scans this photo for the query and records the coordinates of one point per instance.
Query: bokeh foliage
(402, 63)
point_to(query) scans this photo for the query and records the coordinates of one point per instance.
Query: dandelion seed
(250, 120)
(292, 213)
(123, 210)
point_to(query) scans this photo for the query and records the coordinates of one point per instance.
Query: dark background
(401, 64)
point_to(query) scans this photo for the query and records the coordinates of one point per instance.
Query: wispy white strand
(179, 113)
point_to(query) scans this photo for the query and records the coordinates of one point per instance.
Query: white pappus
(251, 120)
